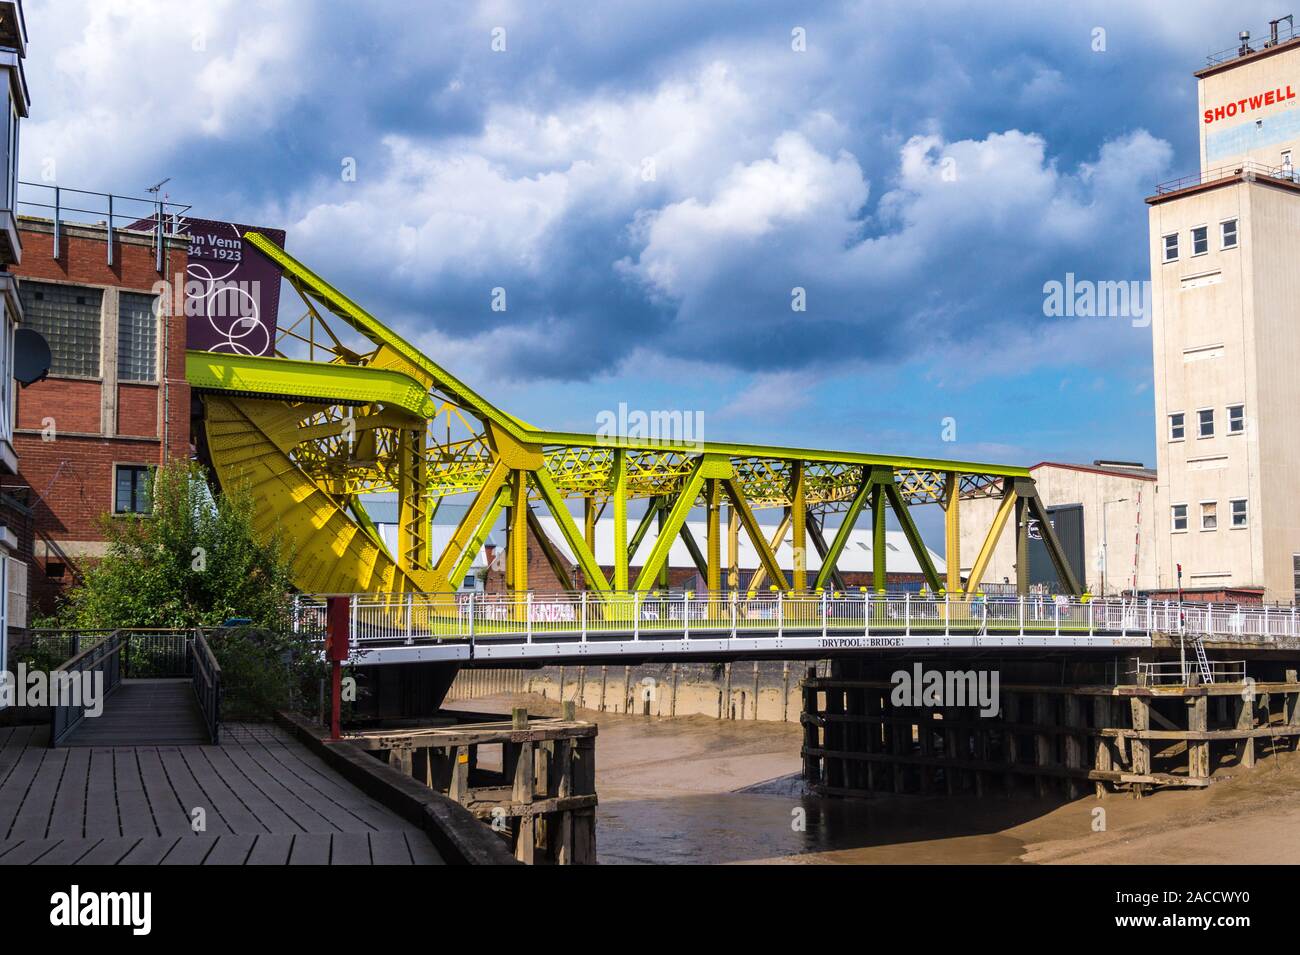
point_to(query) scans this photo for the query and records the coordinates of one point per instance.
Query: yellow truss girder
(460, 446)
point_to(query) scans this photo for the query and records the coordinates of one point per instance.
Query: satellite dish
(31, 356)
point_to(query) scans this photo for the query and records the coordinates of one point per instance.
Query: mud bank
(696, 789)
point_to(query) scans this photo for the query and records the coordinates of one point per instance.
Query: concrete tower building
(1225, 269)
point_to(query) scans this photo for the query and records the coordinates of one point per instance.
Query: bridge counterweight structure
(368, 412)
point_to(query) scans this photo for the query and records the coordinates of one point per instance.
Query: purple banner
(232, 291)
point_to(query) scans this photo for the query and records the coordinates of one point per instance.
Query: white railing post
(866, 614)
(1090, 620)
(410, 601)
(471, 617)
(686, 614)
(584, 616)
(352, 615)
(825, 607)
(1056, 615)
(735, 596)
(636, 615)
(1020, 612)
(907, 614)
(528, 608)
(780, 614)
(947, 614)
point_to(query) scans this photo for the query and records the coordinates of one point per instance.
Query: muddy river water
(700, 790)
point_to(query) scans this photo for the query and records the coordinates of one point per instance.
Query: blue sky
(920, 173)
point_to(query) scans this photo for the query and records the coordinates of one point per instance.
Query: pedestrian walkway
(260, 796)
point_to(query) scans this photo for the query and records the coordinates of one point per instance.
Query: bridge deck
(267, 800)
(145, 713)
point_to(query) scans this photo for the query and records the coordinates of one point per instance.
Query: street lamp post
(1105, 546)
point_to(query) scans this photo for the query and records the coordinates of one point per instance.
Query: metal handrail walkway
(503, 626)
(132, 659)
(491, 626)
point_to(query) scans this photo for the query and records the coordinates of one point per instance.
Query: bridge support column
(713, 500)
(1140, 749)
(952, 532)
(1103, 758)
(798, 521)
(1246, 721)
(879, 569)
(620, 521)
(1010, 742)
(733, 549)
(1198, 751)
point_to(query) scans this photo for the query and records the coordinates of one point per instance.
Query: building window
(1200, 240)
(1236, 419)
(1177, 427)
(1238, 512)
(1205, 423)
(68, 317)
(1179, 514)
(131, 494)
(1171, 247)
(1209, 515)
(137, 337)
(1228, 233)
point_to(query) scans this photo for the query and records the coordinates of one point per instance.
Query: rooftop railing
(1285, 32)
(1234, 171)
(153, 215)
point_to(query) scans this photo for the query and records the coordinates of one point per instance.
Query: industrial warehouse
(316, 528)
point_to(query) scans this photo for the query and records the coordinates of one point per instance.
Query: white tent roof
(856, 556)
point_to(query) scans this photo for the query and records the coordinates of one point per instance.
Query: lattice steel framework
(367, 411)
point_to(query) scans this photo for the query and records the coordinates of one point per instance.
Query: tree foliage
(195, 560)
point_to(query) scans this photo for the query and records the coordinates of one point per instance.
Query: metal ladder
(1202, 661)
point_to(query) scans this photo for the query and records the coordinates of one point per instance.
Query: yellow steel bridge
(362, 410)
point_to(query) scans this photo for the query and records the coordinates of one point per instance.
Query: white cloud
(797, 190)
(118, 85)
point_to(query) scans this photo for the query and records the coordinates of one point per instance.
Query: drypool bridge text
(505, 627)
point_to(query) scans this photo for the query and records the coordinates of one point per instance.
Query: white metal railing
(1180, 672)
(592, 616)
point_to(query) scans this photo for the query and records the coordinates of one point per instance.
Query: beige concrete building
(1224, 249)
(1104, 513)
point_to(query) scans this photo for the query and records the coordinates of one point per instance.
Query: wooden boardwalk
(145, 712)
(265, 797)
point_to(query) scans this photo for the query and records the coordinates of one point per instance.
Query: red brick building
(116, 401)
(15, 519)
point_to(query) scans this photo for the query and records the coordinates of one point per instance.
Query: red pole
(336, 698)
(337, 619)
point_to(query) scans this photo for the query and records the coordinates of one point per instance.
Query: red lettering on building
(1270, 98)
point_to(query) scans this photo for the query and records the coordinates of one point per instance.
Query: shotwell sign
(1248, 104)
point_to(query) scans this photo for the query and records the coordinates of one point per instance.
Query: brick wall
(69, 480)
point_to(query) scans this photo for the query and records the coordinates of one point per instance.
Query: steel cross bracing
(349, 407)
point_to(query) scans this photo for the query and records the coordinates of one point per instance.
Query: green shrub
(195, 560)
